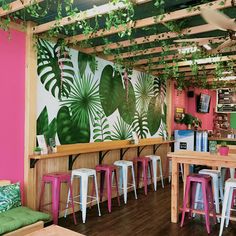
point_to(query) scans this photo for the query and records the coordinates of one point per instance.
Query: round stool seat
(123, 163)
(84, 171)
(154, 157)
(105, 167)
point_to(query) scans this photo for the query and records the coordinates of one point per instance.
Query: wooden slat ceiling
(150, 35)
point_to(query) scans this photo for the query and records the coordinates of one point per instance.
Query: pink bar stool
(56, 179)
(208, 202)
(145, 163)
(106, 171)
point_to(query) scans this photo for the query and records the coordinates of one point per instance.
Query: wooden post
(175, 191)
(30, 117)
(186, 173)
(169, 87)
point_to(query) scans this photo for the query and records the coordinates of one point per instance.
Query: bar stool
(145, 163)
(124, 166)
(83, 174)
(156, 160)
(191, 182)
(217, 186)
(230, 186)
(55, 179)
(106, 171)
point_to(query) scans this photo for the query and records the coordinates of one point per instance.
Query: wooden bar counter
(88, 155)
(195, 158)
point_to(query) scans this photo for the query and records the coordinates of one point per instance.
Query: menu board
(226, 100)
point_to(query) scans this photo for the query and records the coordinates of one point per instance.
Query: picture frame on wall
(42, 144)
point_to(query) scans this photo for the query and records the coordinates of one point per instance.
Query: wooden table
(192, 158)
(54, 230)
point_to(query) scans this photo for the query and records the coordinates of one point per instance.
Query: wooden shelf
(73, 150)
(222, 139)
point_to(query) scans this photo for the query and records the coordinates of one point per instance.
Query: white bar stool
(217, 185)
(156, 160)
(123, 167)
(230, 185)
(84, 174)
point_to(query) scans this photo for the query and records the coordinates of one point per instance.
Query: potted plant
(224, 149)
(37, 150)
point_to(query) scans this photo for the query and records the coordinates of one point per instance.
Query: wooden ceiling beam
(17, 5)
(163, 36)
(190, 62)
(84, 15)
(176, 15)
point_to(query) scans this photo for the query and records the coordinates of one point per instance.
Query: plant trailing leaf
(127, 104)
(68, 131)
(101, 128)
(122, 131)
(84, 60)
(84, 100)
(110, 89)
(154, 115)
(140, 124)
(143, 91)
(55, 69)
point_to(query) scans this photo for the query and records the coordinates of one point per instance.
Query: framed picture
(42, 144)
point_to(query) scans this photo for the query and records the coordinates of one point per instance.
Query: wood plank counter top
(222, 139)
(82, 148)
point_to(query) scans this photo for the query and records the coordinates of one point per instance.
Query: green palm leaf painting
(43, 126)
(127, 104)
(110, 89)
(159, 88)
(55, 69)
(154, 115)
(84, 100)
(70, 132)
(84, 60)
(140, 124)
(122, 130)
(101, 128)
(143, 91)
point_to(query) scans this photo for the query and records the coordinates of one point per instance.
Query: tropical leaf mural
(159, 88)
(143, 91)
(84, 100)
(43, 126)
(101, 128)
(69, 132)
(122, 130)
(140, 124)
(110, 89)
(127, 104)
(55, 69)
(84, 60)
(154, 115)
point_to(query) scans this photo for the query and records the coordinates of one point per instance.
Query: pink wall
(180, 99)
(12, 84)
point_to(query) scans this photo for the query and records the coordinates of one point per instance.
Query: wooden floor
(149, 215)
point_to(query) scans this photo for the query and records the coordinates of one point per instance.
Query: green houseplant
(37, 150)
(191, 121)
(223, 149)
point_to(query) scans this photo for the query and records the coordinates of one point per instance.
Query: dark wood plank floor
(149, 215)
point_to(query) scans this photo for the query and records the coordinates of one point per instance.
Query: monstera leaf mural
(154, 115)
(122, 131)
(101, 128)
(140, 124)
(127, 104)
(110, 90)
(159, 88)
(55, 69)
(143, 91)
(68, 131)
(84, 60)
(43, 126)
